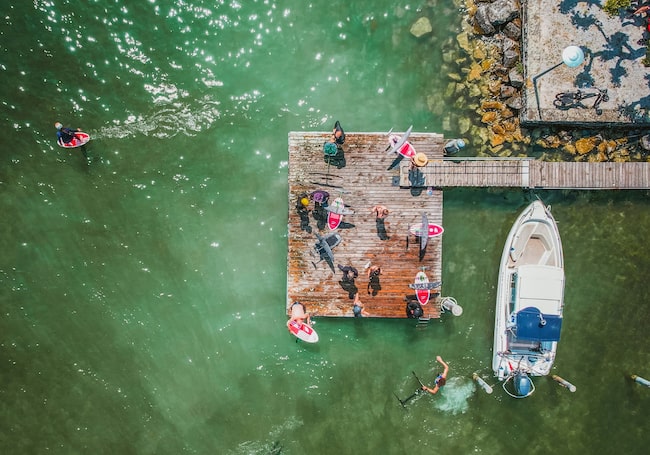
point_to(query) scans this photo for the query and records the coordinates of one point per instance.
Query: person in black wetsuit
(66, 135)
(333, 149)
(347, 282)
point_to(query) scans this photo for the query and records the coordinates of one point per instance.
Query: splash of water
(454, 397)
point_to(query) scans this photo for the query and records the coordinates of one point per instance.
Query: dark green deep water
(142, 296)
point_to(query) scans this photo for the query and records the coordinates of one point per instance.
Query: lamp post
(572, 56)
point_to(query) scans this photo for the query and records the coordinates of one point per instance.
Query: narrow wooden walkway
(528, 173)
(370, 177)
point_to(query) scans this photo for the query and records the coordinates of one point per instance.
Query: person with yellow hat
(419, 160)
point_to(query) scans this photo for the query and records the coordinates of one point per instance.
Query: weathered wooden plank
(529, 174)
(365, 181)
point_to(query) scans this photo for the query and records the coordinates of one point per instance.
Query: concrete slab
(613, 62)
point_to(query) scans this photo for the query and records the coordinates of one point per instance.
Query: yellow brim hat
(420, 159)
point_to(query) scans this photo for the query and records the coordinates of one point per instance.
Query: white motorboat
(530, 301)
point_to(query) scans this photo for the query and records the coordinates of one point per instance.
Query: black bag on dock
(334, 155)
(414, 309)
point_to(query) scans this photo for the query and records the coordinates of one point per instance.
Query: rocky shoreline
(490, 83)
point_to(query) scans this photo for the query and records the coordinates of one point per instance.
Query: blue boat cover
(530, 327)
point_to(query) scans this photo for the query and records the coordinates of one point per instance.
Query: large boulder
(421, 27)
(516, 78)
(482, 19)
(511, 53)
(489, 16)
(503, 11)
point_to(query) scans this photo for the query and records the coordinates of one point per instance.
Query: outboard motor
(522, 383)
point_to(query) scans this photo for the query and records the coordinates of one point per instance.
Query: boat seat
(518, 244)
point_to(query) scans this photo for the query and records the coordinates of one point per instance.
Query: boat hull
(530, 296)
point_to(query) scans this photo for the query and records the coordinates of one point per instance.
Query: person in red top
(441, 379)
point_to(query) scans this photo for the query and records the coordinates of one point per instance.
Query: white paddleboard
(303, 331)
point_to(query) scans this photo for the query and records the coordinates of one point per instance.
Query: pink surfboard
(423, 295)
(80, 138)
(407, 150)
(434, 229)
(335, 213)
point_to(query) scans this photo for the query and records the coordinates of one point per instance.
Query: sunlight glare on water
(143, 293)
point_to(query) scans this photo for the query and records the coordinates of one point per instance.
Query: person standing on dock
(347, 282)
(380, 212)
(302, 208)
(441, 379)
(373, 279)
(418, 160)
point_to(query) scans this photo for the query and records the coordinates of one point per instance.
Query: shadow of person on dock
(346, 225)
(381, 229)
(417, 181)
(320, 216)
(395, 162)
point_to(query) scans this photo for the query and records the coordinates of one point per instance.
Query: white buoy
(564, 383)
(484, 385)
(641, 380)
(449, 303)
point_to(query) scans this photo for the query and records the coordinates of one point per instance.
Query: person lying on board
(65, 134)
(441, 379)
(299, 314)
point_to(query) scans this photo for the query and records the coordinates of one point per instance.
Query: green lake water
(142, 295)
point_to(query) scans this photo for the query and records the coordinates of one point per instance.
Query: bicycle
(569, 100)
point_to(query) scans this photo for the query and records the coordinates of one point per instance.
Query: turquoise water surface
(143, 294)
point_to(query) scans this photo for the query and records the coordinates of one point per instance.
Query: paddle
(424, 232)
(413, 395)
(389, 146)
(416, 377)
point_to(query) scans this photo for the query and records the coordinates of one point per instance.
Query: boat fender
(641, 380)
(564, 383)
(484, 385)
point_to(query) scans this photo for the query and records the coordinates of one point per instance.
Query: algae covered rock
(585, 145)
(421, 27)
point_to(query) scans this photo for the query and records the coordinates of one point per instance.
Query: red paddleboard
(334, 215)
(407, 150)
(80, 138)
(434, 229)
(303, 331)
(422, 294)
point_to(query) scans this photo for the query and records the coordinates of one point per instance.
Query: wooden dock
(528, 173)
(370, 177)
